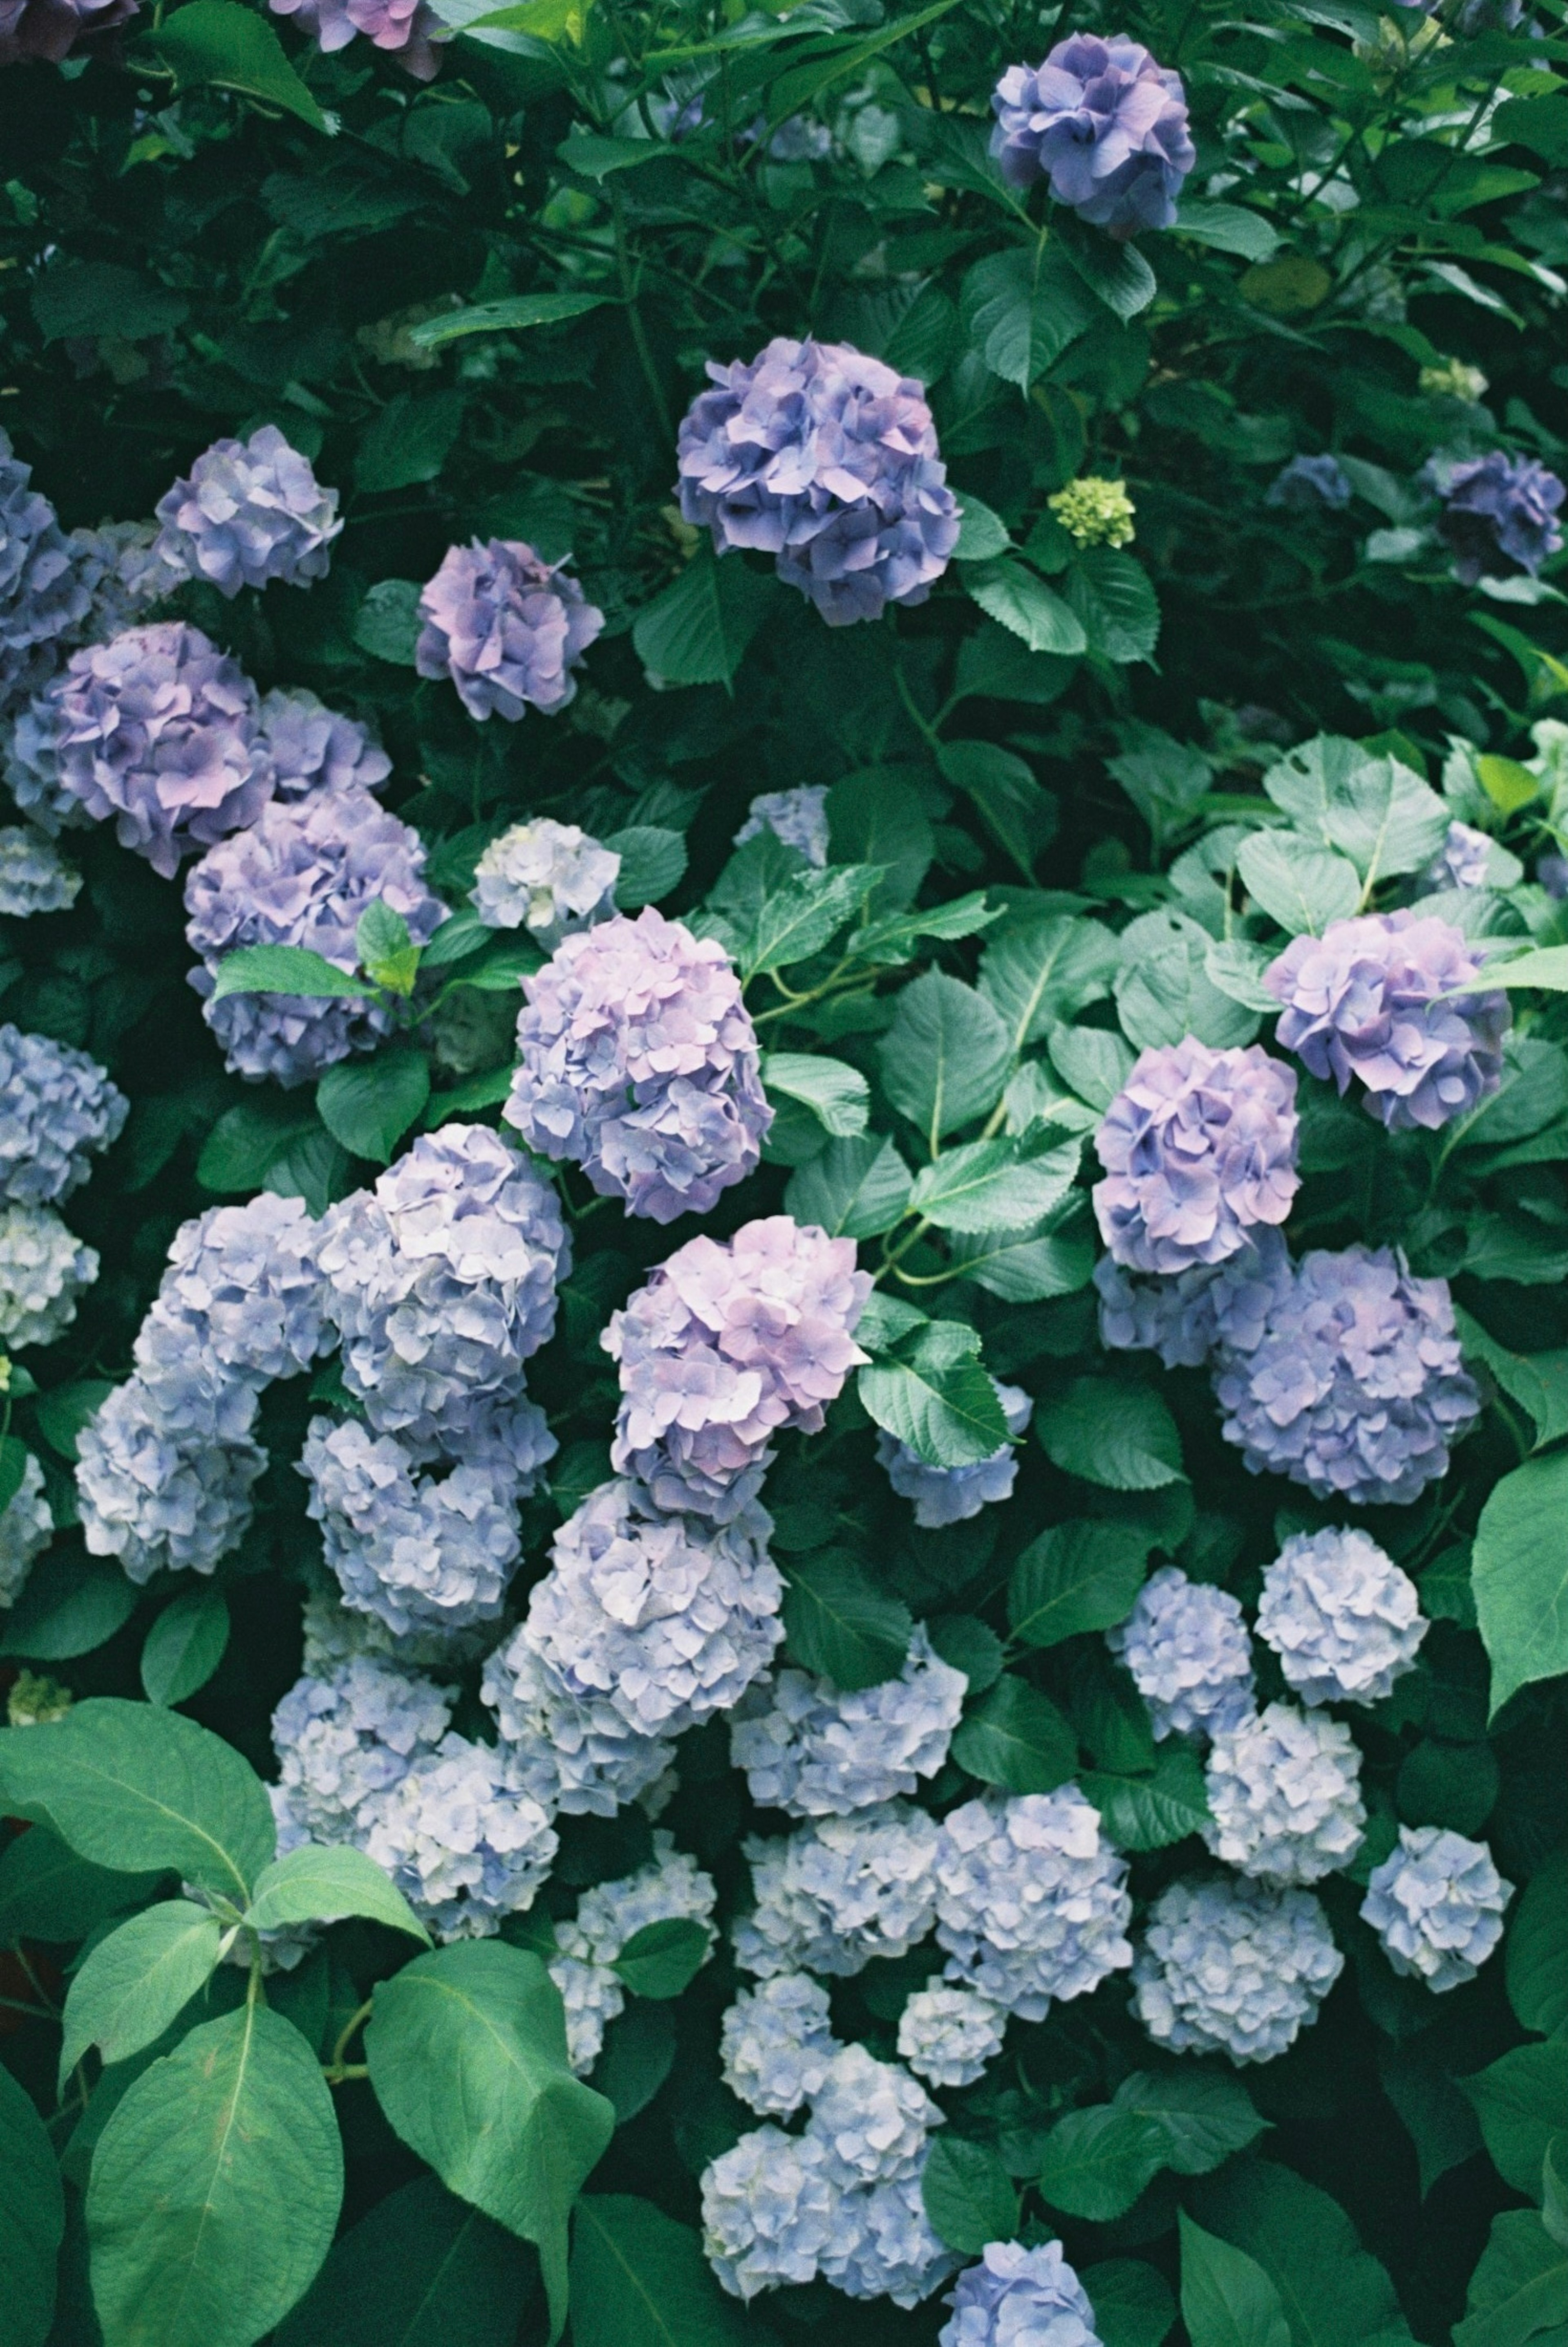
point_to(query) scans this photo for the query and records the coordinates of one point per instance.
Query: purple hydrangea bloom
(164, 1479)
(1019, 2297)
(640, 1063)
(251, 511)
(725, 1347)
(810, 1750)
(1106, 124)
(1198, 1147)
(51, 29)
(1461, 862)
(506, 627)
(1376, 997)
(312, 747)
(43, 593)
(302, 875)
(243, 1290)
(125, 575)
(827, 460)
(159, 729)
(57, 1108)
(950, 1495)
(1183, 1318)
(404, 29)
(1498, 507)
(1308, 483)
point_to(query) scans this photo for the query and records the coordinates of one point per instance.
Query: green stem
(337, 2065)
(634, 317)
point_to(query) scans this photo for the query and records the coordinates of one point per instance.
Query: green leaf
(968, 2195)
(1520, 1574)
(1019, 813)
(697, 631)
(461, 936)
(386, 951)
(367, 1105)
(388, 622)
(981, 532)
(1076, 1577)
(889, 940)
(662, 1959)
(595, 158)
(138, 1980)
(466, 2050)
(1115, 273)
(406, 444)
(1519, 2291)
(853, 1189)
(283, 969)
(1046, 969)
(1152, 1812)
(638, 2057)
(1507, 783)
(47, 1892)
(1535, 1954)
(1163, 988)
(1227, 2300)
(1520, 2100)
(1020, 311)
(810, 909)
(652, 862)
(840, 1626)
(1017, 1739)
(136, 1788)
(968, 1644)
(313, 1885)
(1132, 2300)
(1546, 969)
(215, 2187)
(944, 1060)
(247, 1142)
(72, 1605)
(77, 300)
(184, 1645)
(1206, 2116)
(1091, 1063)
(640, 2280)
(1022, 603)
(1302, 887)
(837, 1095)
(1228, 227)
(989, 1185)
(1113, 600)
(936, 1397)
(1098, 2161)
(1374, 810)
(215, 43)
(1555, 2191)
(422, 2269)
(62, 1414)
(1122, 1437)
(1236, 968)
(510, 316)
(12, 1468)
(1024, 1270)
(35, 2220)
(1334, 2293)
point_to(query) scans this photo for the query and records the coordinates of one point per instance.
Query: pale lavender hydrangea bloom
(57, 1108)
(505, 627)
(871, 2119)
(462, 1843)
(42, 592)
(51, 29)
(1498, 508)
(775, 2042)
(1376, 997)
(242, 1290)
(1355, 1384)
(250, 511)
(405, 29)
(1032, 1900)
(640, 1063)
(1462, 862)
(950, 1495)
(160, 730)
(798, 817)
(332, 1635)
(670, 1887)
(947, 2036)
(770, 2212)
(883, 2244)
(26, 1528)
(1019, 2297)
(839, 1891)
(342, 1738)
(827, 460)
(1436, 1904)
(1308, 483)
(1232, 1967)
(1285, 1793)
(1187, 1646)
(312, 747)
(547, 877)
(1345, 1622)
(44, 1270)
(167, 1490)
(814, 1752)
(32, 755)
(1199, 1148)
(302, 875)
(441, 1281)
(1183, 1319)
(1106, 124)
(725, 1347)
(34, 876)
(575, 1752)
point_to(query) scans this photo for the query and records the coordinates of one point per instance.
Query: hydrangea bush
(783, 1174)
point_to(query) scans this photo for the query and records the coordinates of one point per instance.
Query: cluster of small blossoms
(1235, 1968)
(463, 1841)
(1031, 1901)
(42, 592)
(1285, 1794)
(1104, 124)
(950, 1495)
(725, 1347)
(1187, 1646)
(1017, 2297)
(505, 627)
(798, 817)
(638, 1062)
(34, 1700)
(312, 747)
(250, 511)
(1435, 1905)
(1184, 1318)
(1308, 484)
(827, 460)
(34, 876)
(947, 2036)
(1345, 1622)
(1495, 508)
(1462, 862)
(839, 1891)
(671, 1886)
(405, 29)
(45, 1269)
(1199, 1149)
(775, 2043)
(813, 1751)
(576, 1752)
(344, 1738)
(1453, 379)
(26, 1528)
(57, 1109)
(550, 879)
(1095, 512)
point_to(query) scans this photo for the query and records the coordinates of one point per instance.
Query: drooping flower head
(1308, 484)
(827, 460)
(1232, 1967)
(1436, 1904)
(312, 747)
(505, 627)
(1106, 124)
(1499, 511)
(547, 877)
(1032, 1900)
(1187, 1646)
(57, 1108)
(45, 1269)
(248, 512)
(1345, 1622)
(34, 876)
(1284, 1791)
(950, 1495)
(798, 817)
(42, 591)
(809, 1749)
(1199, 1148)
(1019, 2297)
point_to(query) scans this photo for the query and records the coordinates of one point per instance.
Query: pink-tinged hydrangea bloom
(302, 876)
(312, 747)
(250, 511)
(506, 627)
(1354, 1384)
(42, 591)
(827, 460)
(159, 729)
(640, 1063)
(51, 29)
(1499, 512)
(1379, 997)
(1198, 1147)
(404, 29)
(1106, 124)
(725, 1348)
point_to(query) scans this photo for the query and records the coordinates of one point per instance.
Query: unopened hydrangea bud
(947, 2036)
(505, 627)
(950, 1495)
(839, 1891)
(162, 1496)
(57, 1108)
(776, 2041)
(1453, 379)
(44, 1270)
(1032, 1900)
(814, 1752)
(1095, 512)
(1499, 513)
(34, 1700)
(1019, 2297)
(34, 876)
(463, 1846)
(727, 1345)
(1236, 1968)
(250, 511)
(1284, 1796)
(798, 817)
(769, 2212)
(26, 1528)
(1436, 1904)
(871, 2119)
(827, 460)
(1308, 484)
(670, 1887)
(346, 1737)
(575, 1751)
(1199, 1149)
(1187, 1646)
(550, 879)
(640, 1063)
(1106, 124)
(1345, 1622)
(312, 747)
(883, 2245)
(42, 592)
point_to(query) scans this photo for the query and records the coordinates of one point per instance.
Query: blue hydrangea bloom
(1106, 124)
(810, 1750)
(1183, 1318)
(1436, 1904)
(464, 1846)
(312, 747)
(43, 593)
(1462, 862)
(1232, 1967)
(1345, 1622)
(1019, 2297)
(547, 877)
(798, 817)
(1187, 1646)
(776, 2041)
(671, 1888)
(507, 628)
(1284, 1796)
(770, 2212)
(26, 1528)
(840, 1890)
(57, 1108)
(1032, 1900)
(1498, 511)
(872, 2118)
(242, 1290)
(45, 1269)
(342, 1738)
(947, 2036)
(883, 2245)
(166, 1487)
(250, 511)
(34, 876)
(950, 1495)
(1308, 483)
(1199, 1148)
(574, 1749)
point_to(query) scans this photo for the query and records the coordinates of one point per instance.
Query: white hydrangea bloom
(462, 1843)
(545, 877)
(1187, 1646)
(1436, 1904)
(769, 2212)
(947, 2035)
(840, 1890)
(1236, 1968)
(1285, 1790)
(44, 1270)
(883, 2245)
(814, 1752)
(776, 2043)
(576, 1752)
(353, 1733)
(34, 877)
(872, 2118)
(798, 817)
(1032, 1900)
(1344, 1619)
(610, 1914)
(26, 1528)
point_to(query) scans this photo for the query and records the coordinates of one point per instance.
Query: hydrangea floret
(464, 1846)
(1284, 1796)
(1032, 1900)
(1344, 1619)
(248, 512)
(1232, 1967)
(44, 1270)
(813, 1751)
(950, 1495)
(34, 877)
(1187, 1646)
(1199, 1149)
(507, 628)
(776, 2041)
(1499, 513)
(1106, 124)
(947, 2036)
(57, 1109)
(798, 817)
(1437, 1904)
(1017, 2297)
(1183, 1318)
(840, 1890)
(547, 877)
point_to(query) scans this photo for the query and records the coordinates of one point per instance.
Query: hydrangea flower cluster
(1345, 1622)
(465, 1845)
(671, 1886)
(1498, 507)
(550, 879)
(45, 1269)
(640, 1063)
(1104, 124)
(725, 1347)
(798, 817)
(51, 29)
(839, 1891)
(42, 592)
(248, 511)
(57, 1108)
(873, 2117)
(1235, 1968)
(950, 1495)
(827, 460)
(1019, 2297)
(441, 1282)
(1187, 1648)
(505, 627)
(243, 1290)
(312, 747)
(34, 876)
(1378, 996)
(1462, 862)
(947, 2036)
(26, 1528)
(810, 1750)
(1032, 1900)
(346, 1737)
(1308, 484)
(1199, 1148)
(769, 2212)
(124, 576)
(1436, 1904)
(302, 875)
(405, 29)
(1184, 1318)
(576, 1752)
(1285, 1793)
(776, 2041)
(1095, 512)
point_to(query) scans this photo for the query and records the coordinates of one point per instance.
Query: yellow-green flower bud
(1095, 512)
